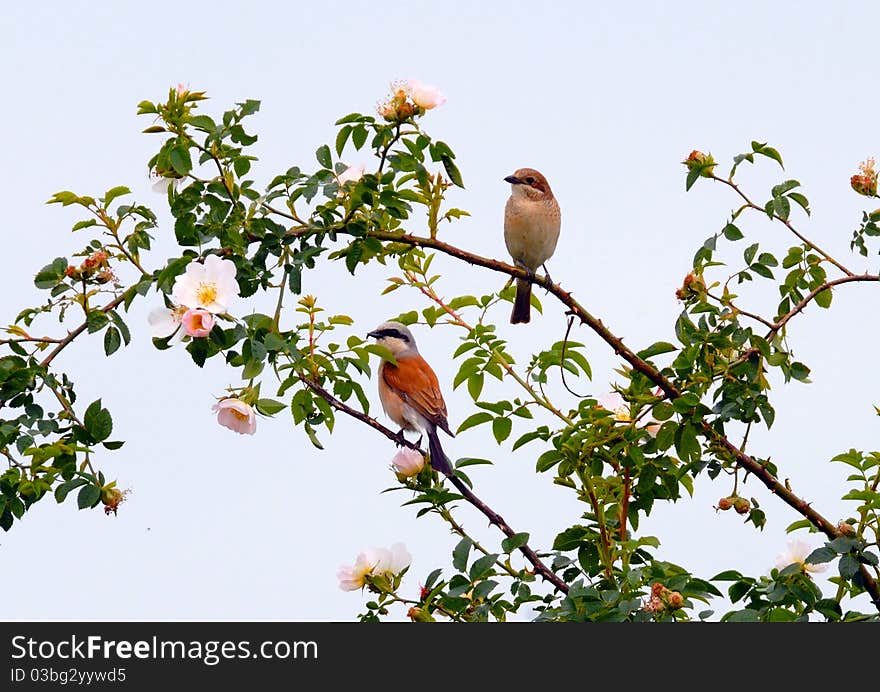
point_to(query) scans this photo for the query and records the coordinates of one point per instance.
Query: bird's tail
(439, 460)
(522, 304)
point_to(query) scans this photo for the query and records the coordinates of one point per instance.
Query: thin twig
(809, 243)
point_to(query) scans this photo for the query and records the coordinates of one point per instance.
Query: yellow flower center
(206, 293)
(238, 414)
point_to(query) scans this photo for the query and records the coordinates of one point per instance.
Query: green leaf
(62, 490)
(115, 192)
(769, 152)
(474, 420)
(452, 171)
(692, 176)
(656, 349)
(359, 136)
(324, 157)
(51, 274)
(460, 554)
(475, 385)
(829, 608)
(747, 615)
(800, 524)
(180, 159)
(848, 566)
(517, 540)
(270, 407)
(501, 428)
(471, 461)
(120, 325)
(820, 555)
(112, 340)
(749, 253)
(89, 496)
(482, 567)
(98, 422)
(731, 232)
(342, 138)
(823, 298)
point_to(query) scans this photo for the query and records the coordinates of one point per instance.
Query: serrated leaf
(517, 540)
(324, 157)
(97, 421)
(482, 567)
(452, 171)
(474, 420)
(823, 298)
(460, 554)
(115, 192)
(180, 159)
(89, 496)
(270, 407)
(656, 349)
(501, 428)
(112, 341)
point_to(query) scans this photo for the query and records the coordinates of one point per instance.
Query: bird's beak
(513, 180)
(374, 335)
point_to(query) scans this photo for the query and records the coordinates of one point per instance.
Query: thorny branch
(746, 461)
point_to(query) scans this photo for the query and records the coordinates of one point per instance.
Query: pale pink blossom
(425, 96)
(351, 174)
(165, 322)
(210, 285)
(614, 403)
(181, 89)
(197, 322)
(408, 462)
(796, 552)
(373, 562)
(160, 183)
(236, 415)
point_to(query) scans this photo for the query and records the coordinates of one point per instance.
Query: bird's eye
(530, 180)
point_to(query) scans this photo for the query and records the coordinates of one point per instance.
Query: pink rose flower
(352, 174)
(424, 96)
(236, 415)
(197, 322)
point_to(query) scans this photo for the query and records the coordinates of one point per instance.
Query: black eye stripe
(392, 333)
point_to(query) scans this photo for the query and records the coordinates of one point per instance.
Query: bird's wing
(414, 380)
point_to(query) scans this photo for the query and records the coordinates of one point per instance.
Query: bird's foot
(547, 272)
(400, 438)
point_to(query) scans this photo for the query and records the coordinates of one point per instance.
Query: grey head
(396, 337)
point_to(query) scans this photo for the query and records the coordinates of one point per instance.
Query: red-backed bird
(531, 229)
(409, 391)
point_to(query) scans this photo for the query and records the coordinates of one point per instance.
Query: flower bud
(846, 529)
(725, 503)
(693, 286)
(742, 505)
(675, 600)
(698, 160)
(408, 462)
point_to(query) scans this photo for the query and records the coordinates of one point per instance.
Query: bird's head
(529, 183)
(396, 337)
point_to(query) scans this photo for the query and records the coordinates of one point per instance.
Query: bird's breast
(531, 230)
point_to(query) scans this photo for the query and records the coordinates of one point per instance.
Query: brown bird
(531, 230)
(409, 391)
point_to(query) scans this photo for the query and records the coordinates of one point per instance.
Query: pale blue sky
(605, 99)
